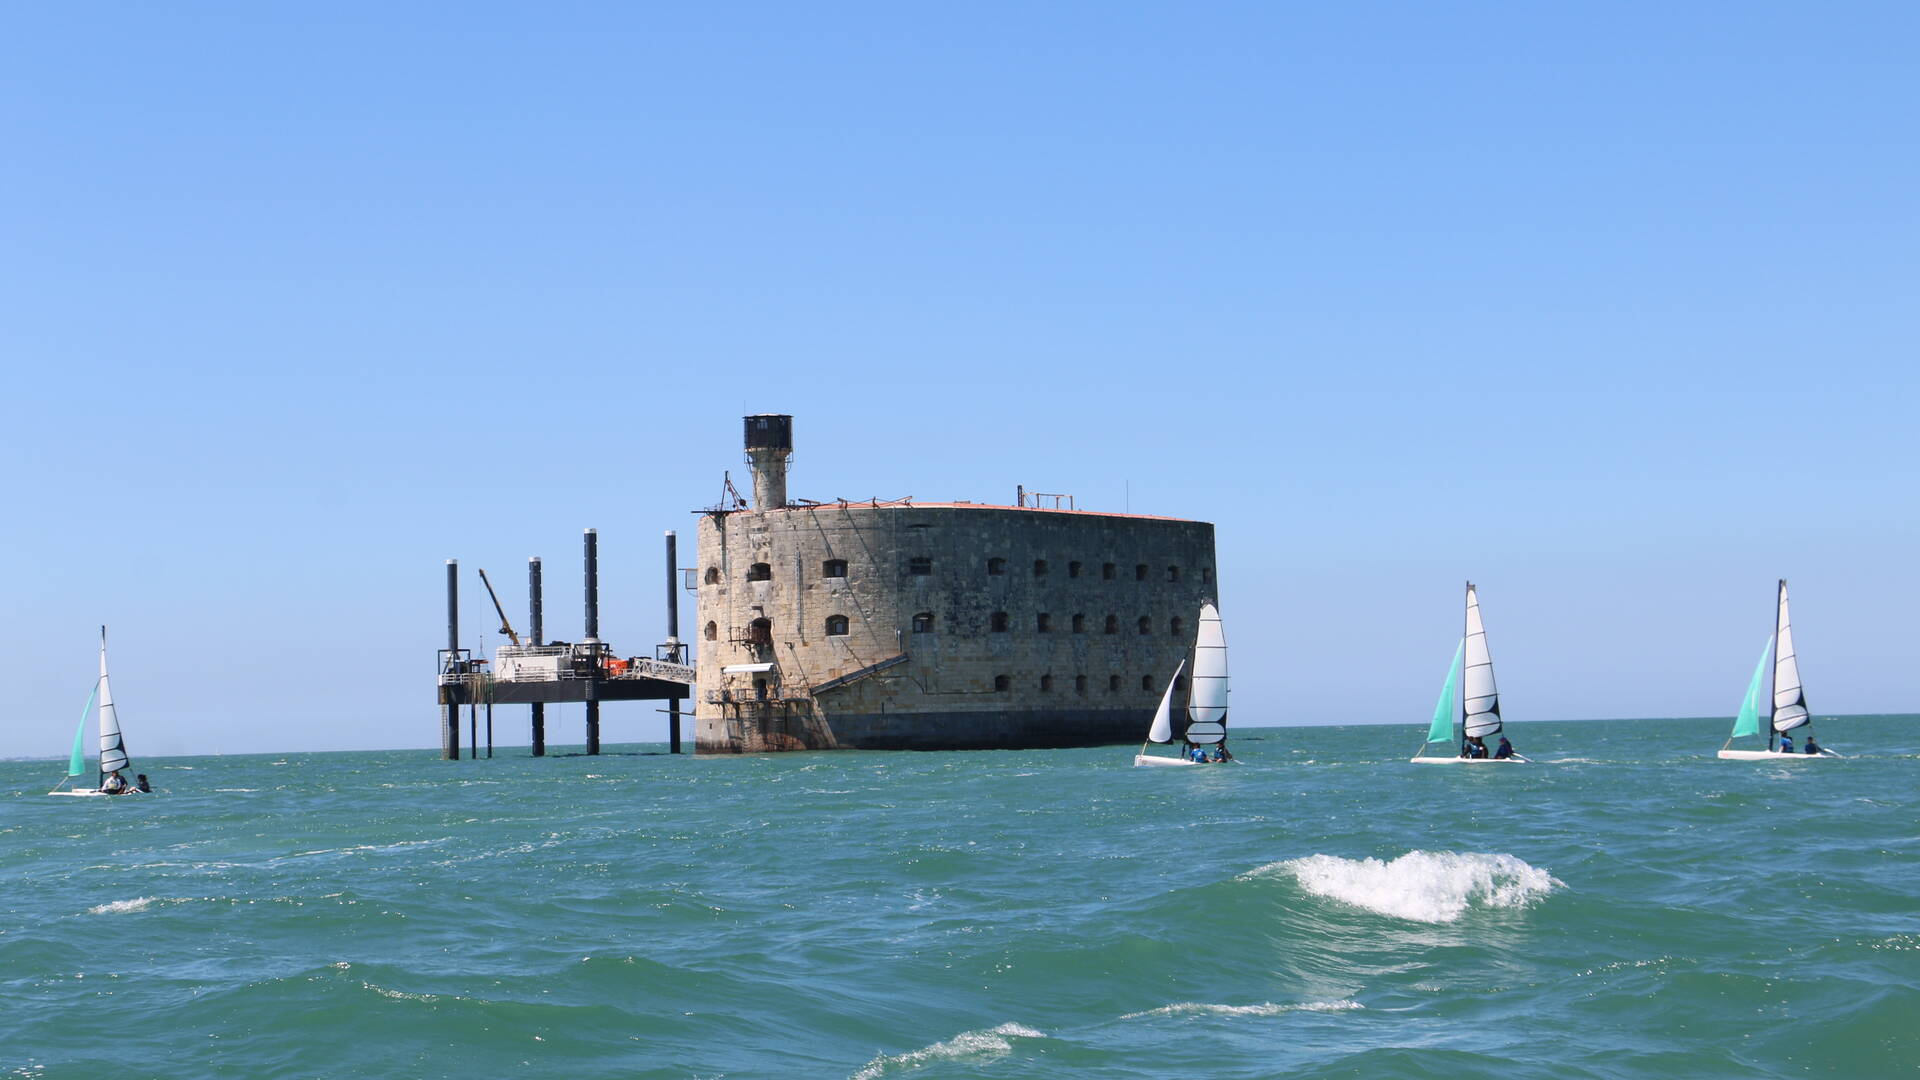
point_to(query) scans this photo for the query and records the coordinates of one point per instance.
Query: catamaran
(113, 748)
(1478, 711)
(1789, 699)
(1206, 734)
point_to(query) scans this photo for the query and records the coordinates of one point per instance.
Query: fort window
(920, 566)
(1039, 568)
(713, 631)
(834, 568)
(1146, 683)
(1173, 573)
(1113, 624)
(1140, 572)
(1080, 684)
(1146, 625)
(1177, 624)
(996, 566)
(1002, 683)
(1113, 684)
(759, 572)
(1043, 623)
(1073, 569)
(713, 575)
(1107, 571)
(1046, 683)
(999, 624)
(1079, 624)
(1206, 575)
(760, 633)
(923, 623)
(836, 626)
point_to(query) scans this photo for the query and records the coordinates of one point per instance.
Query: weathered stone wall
(1083, 683)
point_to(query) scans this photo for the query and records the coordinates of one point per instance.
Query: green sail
(78, 764)
(1748, 722)
(1442, 729)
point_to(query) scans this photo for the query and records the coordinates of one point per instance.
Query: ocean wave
(968, 1045)
(121, 907)
(1424, 886)
(1268, 1008)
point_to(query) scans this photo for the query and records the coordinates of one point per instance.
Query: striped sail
(1481, 699)
(1789, 699)
(1441, 730)
(1207, 705)
(113, 749)
(1162, 729)
(1748, 722)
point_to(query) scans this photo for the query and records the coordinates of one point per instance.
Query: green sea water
(1629, 907)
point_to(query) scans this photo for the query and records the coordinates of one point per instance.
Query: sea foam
(1425, 886)
(1265, 1008)
(966, 1046)
(121, 907)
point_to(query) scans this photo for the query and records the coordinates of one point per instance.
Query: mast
(1465, 627)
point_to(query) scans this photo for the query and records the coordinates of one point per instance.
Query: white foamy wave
(121, 907)
(1425, 886)
(1198, 1008)
(968, 1045)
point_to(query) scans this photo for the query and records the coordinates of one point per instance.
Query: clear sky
(1609, 307)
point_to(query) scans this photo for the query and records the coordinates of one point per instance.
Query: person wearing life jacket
(1812, 747)
(1505, 750)
(114, 784)
(140, 782)
(1786, 743)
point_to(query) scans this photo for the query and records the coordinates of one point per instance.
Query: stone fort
(925, 626)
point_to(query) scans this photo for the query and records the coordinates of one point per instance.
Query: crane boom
(505, 626)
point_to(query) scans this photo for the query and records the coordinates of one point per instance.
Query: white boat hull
(1146, 760)
(1772, 755)
(1514, 760)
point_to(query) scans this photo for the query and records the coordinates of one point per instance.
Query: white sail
(1789, 699)
(1162, 729)
(113, 749)
(1479, 696)
(1207, 705)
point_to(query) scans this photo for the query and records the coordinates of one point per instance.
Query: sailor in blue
(1812, 747)
(1505, 749)
(1786, 743)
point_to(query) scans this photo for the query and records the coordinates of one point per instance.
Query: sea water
(1628, 907)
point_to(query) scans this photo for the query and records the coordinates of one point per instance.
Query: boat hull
(1772, 755)
(1148, 760)
(1515, 760)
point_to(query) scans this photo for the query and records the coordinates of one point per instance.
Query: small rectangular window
(920, 566)
(834, 568)
(1107, 571)
(1073, 569)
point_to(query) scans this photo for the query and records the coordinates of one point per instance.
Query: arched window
(1079, 624)
(920, 566)
(760, 632)
(1107, 571)
(1113, 684)
(999, 623)
(1146, 625)
(759, 572)
(1073, 569)
(1043, 623)
(1039, 568)
(1177, 624)
(713, 631)
(1173, 573)
(713, 575)
(1146, 683)
(923, 623)
(1113, 625)
(996, 566)
(1140, 572)
(834, 568)
(1046, 683)
(1002, 683)
(1080, 684)
(836, 626)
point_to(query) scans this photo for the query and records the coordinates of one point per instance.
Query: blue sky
(1607, 307)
